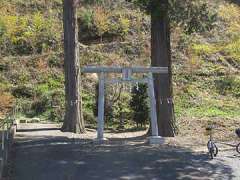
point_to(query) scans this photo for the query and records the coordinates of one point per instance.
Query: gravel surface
(42, 152)
(231, 159)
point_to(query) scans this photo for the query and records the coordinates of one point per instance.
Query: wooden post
(101, 107)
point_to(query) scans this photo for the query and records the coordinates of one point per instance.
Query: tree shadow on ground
(133, 129)
(60, 158)
(39, 129)
(124, 130)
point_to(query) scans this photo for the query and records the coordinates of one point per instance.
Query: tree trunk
(161, 56)
(73, 120)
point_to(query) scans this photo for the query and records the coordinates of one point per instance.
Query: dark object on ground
(238, 148)
(238, 132)
(212, 149)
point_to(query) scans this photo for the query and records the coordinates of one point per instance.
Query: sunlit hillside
(205, 39)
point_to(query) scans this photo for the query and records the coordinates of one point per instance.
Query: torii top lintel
(115, 69)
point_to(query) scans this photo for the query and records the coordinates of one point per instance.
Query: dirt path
(43, 154)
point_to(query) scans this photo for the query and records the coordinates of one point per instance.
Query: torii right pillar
(155, 138)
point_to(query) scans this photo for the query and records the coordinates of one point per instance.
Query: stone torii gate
(127, 78)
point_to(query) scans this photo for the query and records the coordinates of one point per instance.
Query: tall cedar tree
(161, 56)
(73, 121)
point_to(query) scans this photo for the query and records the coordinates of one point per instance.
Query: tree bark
(73, 120)
(161, 56)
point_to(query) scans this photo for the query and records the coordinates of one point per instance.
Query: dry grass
(6, 103)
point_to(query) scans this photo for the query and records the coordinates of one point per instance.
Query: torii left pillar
(101, 95)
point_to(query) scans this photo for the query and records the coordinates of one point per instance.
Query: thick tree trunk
(73, 121)
(161, 56)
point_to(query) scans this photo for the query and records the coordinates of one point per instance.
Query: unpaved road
(48, 154)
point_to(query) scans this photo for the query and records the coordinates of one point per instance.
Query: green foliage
(143, 4)
(55, 83)
(20, 77)
(228, 85)
(4, 67)
(212, 111)
(23, 91)
(139, 104)
(233, 49)
(154, 7)
(40, 105)
(228, 50)
(193, 15)
(230, 14)
(122, 106)
(100, 20)
(57, 106)
(200, 49)
(27, 34)
(86, 18)
(24, 106)
(199, 97)
(55, 61)
(4, 84)
(102, 23)
(91, 2)
(117, 107)
(88, 100)
(49, 105)
(2, 28)
(89, 118)
(49, 84)
(41, 89)
(119, 25)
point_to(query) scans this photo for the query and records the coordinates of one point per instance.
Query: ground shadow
(61, 158)
(124, 130)
(38, 129)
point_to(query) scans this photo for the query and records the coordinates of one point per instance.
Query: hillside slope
(205, 41)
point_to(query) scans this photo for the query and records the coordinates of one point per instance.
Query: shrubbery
(41, 105)
(122, 110)
(230, 14)
(55, 61)
(100, 23)
(139, 104)
(193, 15)
(6, 102)
(23, 91)
(233, 49)
(27, 34)
(49, 105)
(228, 85)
